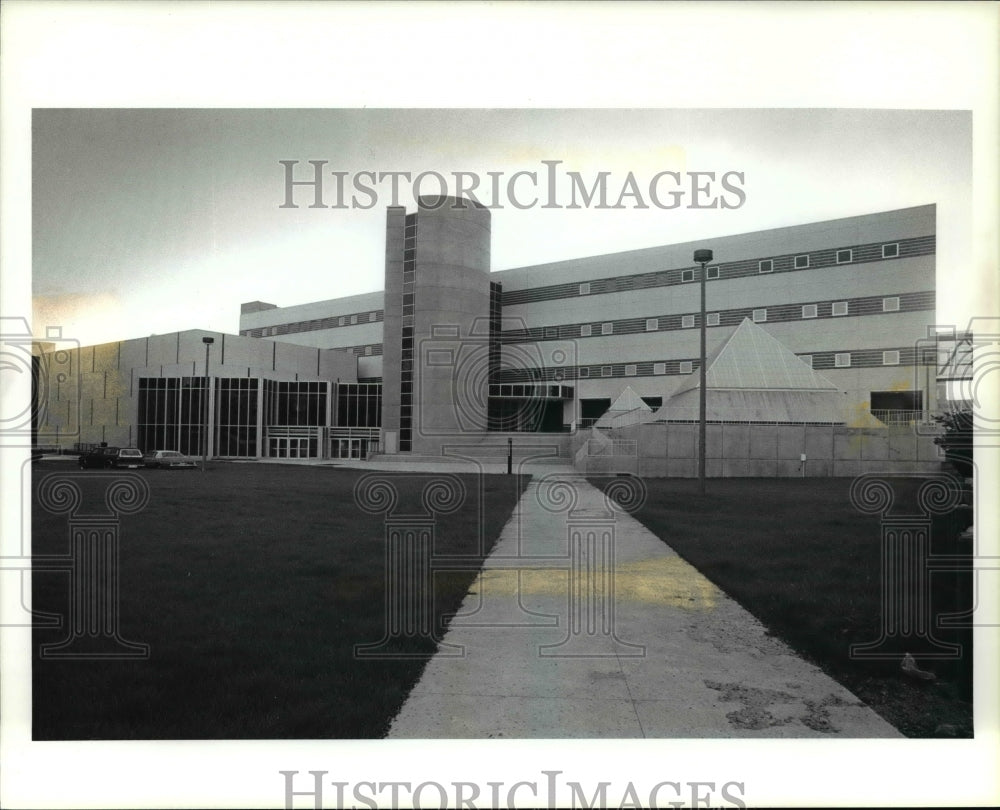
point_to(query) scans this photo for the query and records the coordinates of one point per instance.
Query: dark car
(100, 458)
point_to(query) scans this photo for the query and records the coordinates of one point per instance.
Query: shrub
(957, 439)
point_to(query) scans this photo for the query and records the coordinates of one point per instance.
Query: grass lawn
(251, 583)
(797, 555)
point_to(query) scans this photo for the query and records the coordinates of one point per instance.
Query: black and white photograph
(446, 435)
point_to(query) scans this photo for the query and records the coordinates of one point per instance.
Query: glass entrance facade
(358, 418)
(294, 415)
(293, 446)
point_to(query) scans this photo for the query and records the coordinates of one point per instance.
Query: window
(630, 370)
(890, 251)
(372, 317)
(584, 371)
(585, 330)
(842, 359)
(354, 319)
(839, 308)
(845, 256)
(340, 321)
(687, 275)
(607, 328)
(890, 304)
(807, 359)
(605, 371)
(652, 324)
(368, 350)
(801, 262)
(551, 332)
(759, 315)
(809, 311)
(686, 367)
(712, 319)
(713, 272)
(585, 288)
(687, 321)
(890, 358)
(659, 368)
(765, 266)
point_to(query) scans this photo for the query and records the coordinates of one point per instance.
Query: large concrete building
(450, 351)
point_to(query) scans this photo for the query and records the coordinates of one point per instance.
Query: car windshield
(131, 453)
(170, 454)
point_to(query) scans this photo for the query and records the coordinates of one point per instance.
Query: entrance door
(282, 447)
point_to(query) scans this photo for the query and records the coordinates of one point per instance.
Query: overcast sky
(152, 221)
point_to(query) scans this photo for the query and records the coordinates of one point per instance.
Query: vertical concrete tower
(436, 324)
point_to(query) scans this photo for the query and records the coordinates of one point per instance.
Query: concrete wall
(768, 451)
(902, 224)
(451, 321)
(274, 316)
(851, 333)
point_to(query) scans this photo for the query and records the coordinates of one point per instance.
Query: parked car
(100, 458)
(129, 458)
(168, 460)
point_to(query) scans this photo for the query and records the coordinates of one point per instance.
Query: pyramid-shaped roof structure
(751, 359)
(752, 377)
(628, 400)
(627, 409)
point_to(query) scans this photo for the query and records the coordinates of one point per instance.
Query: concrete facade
(437, 298)
(852, 297)
(452, 291)
(91, 394)
(588, 300)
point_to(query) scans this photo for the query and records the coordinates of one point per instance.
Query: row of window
(536, 391)
(406, 356)
(840, 360)
(889, 250)
(319, 323)
(685, 367)
(843, 256)
(367, 350)
(801, 262)
(838, 309)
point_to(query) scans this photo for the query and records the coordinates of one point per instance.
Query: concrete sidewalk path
(583, 623)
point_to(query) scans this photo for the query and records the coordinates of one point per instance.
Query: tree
(957, 439)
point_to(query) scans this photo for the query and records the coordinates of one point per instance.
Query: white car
(169, 460)
(129, 458)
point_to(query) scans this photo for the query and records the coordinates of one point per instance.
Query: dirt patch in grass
(797, 555)
(251, 584)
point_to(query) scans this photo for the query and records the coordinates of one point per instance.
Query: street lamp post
(208, 341)
(702, 257)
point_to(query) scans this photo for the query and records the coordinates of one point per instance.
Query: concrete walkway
(612, 634)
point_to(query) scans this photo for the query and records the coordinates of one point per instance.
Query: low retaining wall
(492, 446)
(766, 451)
